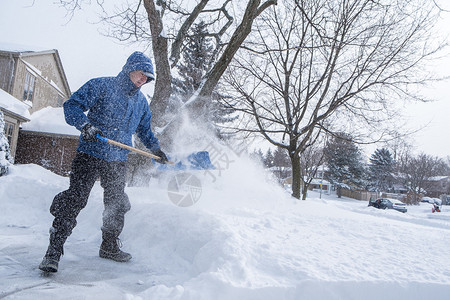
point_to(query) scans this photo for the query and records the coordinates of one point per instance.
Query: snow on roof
(319, 181)
(13, 104)
(36, 72)
(10, 47)
(50, 120)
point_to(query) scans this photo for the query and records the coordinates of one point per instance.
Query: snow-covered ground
(245, 238)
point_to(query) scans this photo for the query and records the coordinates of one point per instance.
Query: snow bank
(245, 238)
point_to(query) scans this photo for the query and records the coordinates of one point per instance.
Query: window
(9, 129)
(28, 90)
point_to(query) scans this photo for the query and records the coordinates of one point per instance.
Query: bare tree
(447, 164)
(416, 173)
(170, 23)
(400, 145)
(311, 159)
(320, 65)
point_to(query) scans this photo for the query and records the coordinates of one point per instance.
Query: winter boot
(51, 260)
(54, 252)
(110, 249)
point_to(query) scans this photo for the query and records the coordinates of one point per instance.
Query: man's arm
(81, 101)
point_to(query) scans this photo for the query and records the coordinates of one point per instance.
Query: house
(317, 183)
(280, 172)
(15, 112)
(35, 80)
(437, 186)
(35, 77)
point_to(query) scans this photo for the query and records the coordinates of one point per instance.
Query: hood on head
(138, 61)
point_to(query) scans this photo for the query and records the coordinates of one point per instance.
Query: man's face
(138, 78)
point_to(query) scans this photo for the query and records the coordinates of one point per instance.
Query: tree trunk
(296, 176)
(163, 87)
(339, 191)
(305, 191)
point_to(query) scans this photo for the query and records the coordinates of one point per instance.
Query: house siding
(47, 65)
(44, 93)
(7, 64)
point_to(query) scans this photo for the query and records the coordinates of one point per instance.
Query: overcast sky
(85, 54)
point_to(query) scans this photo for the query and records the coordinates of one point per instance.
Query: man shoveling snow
(117, 109)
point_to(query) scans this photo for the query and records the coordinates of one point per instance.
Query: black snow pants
(67, 205)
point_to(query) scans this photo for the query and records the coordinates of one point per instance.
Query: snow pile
(50, 120)
(13, 105)
(245, 238)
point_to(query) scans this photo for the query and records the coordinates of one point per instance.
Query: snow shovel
(195, 161)
(118, 144)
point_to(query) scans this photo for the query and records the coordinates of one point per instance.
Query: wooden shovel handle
(118, 144)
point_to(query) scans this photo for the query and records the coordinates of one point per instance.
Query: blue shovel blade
(195, 161)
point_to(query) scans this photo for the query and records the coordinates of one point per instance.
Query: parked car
(387, 203)
(446, 200)
(431, 200)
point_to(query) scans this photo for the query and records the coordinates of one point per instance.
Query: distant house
(399, 188)
(280, 172)
(318, 183)
(437, 186)
(35, 80)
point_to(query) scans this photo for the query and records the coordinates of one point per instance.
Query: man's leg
(67, 205)
(112, 179)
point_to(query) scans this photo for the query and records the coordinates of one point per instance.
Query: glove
(162, 156)
(89, 133)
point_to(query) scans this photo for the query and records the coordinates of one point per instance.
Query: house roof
(14, 106)
(22, 51)
(319, 181)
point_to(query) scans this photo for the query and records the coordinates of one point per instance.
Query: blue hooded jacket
(117, 107)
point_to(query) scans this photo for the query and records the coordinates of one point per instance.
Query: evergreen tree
(381, 167)
(268, 159)
(344, 161)
(197, 58)
(5, 155)
(281, 158)
(281, 161)
(258, 156)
